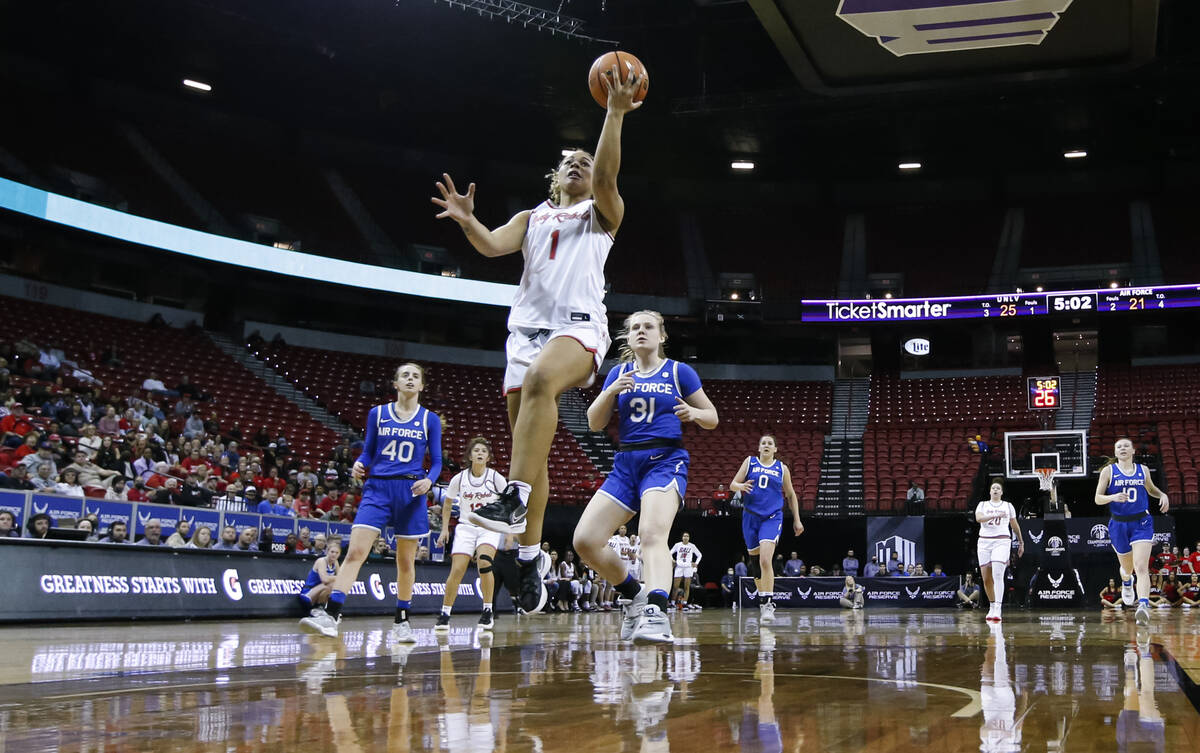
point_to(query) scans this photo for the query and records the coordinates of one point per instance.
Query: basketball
(627, 66)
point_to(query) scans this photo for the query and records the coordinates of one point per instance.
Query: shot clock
(1044, 393)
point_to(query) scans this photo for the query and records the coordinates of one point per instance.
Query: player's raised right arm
(505, 239)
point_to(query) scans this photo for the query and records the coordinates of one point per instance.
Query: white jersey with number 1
(563, 281)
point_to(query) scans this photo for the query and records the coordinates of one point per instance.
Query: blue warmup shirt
(395, 446)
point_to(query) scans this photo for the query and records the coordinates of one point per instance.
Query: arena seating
(237, 395)
(918, 430)
(466, 397)
(1147, 393)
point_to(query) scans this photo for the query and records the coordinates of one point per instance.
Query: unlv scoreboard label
(1070, 302)
(80, 581)
(825, 592)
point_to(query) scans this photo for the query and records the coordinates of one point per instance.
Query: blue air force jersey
(647, 411)
(1134, 485)
(396, 445)
(765, 497)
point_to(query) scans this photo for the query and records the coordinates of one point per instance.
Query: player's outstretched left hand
(421, 487)
(1163, 503)
(620, 93)
(683, 411)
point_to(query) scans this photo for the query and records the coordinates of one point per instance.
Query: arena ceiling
(809, 88)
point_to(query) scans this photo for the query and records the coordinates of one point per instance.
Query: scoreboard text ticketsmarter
(999, 306)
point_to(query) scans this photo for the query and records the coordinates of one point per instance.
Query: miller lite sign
(913, 27)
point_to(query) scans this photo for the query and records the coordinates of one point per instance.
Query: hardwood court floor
(879, 680)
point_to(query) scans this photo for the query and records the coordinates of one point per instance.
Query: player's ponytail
(625, 353)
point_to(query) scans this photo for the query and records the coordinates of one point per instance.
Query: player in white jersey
(558, 326)
(619, 543)
(472, 488)
(635, 557)
(996, 518)
(687, 560)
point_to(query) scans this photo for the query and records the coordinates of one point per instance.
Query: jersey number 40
(397, 451)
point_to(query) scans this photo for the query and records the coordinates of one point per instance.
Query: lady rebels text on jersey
(473, 492)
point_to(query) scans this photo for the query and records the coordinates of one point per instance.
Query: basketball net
(1045, 478)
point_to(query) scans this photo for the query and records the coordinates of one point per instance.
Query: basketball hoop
(1045, 477)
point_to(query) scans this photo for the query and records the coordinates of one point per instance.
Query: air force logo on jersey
(913, 27)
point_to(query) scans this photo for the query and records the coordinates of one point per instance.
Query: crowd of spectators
(63, 432)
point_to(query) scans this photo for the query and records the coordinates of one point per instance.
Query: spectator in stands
(306, 477)
(850, 564)
(138, 492)
(50, 362)
(89, 441)
(37, 525)
(379, 551)
(17, 479)
(43, 456)
(68, 484)
(144, 466)
(193, 428)
(740, 568)
(229, 539)
(212, 425)
(247, 539)
(111, 357)
(1190, 592)
(201, 539)
(117, 488)
(179, 539)
(968, 595)
(793, 566)
(88, 473)
(271, 506)
(187, 389)
(332, 477)
(152, 533)
(8, 525)
(937, 571)
(184, 407)
(72, 425)
(721, 500)
(15, 425)
(422, 553)
(918, 571)
(192, 494)
(154, 385)
(44, 481)
(915, 499)
(816, 571)
(167, 494)
(109, 423)
(367, 387)
(231, 454)
(319, 542)
(894, 564)
(1110, 596)
(28, 446)
(251, 497)
(304, 540)
(777, 564)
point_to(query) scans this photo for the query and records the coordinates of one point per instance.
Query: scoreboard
(1002, 306)
(1044, 393)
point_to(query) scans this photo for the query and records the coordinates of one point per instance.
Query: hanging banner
(903, 535)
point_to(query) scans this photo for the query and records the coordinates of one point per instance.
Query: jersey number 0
(398, 451)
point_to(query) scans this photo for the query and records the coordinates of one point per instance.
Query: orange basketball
(627, 67)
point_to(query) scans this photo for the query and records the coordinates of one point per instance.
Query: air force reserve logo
(1036, 537)
(233, 587)
(914, 27)
(912, 592)
(804, 594)
(1055, 583)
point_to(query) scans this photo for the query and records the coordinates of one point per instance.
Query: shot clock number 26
(1044, 393)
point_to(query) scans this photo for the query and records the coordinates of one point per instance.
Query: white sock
(1124, 575)
(487, 606)
(523, 489)
(446, 610)
(998, 582)
(528, 552)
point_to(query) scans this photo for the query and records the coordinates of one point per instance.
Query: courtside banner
(79, 581)
(902, 535)
(1087, 535)
(825, 592)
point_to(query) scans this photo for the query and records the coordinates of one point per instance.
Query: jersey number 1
(398, 451)
(553, 244)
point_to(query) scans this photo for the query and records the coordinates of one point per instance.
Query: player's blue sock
(402, 607)
(658, 598)
(306, 599)
(629, 587)
(336, 600)
(1144, 601)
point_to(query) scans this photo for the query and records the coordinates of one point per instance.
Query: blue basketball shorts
(636, 472)
(1122, 534)
(390, 502)
(756, 529)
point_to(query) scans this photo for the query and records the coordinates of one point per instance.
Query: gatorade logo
(231, 584)
(376, 586)
(478, 589)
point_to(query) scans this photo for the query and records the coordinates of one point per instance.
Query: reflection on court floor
(879, 680)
